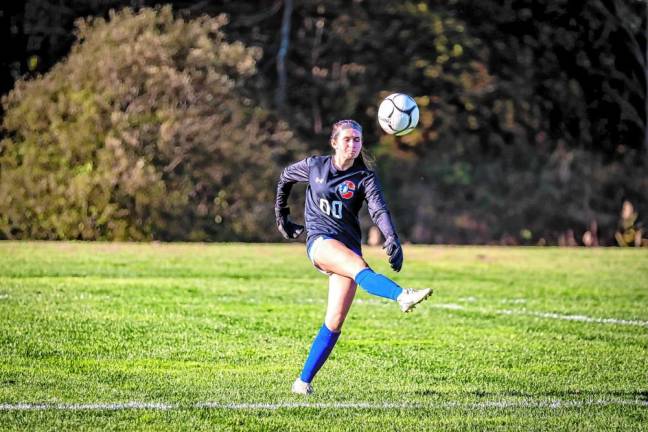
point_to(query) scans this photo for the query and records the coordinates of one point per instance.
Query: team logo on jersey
(346, 189)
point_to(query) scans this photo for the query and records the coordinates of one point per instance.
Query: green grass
(184, 324)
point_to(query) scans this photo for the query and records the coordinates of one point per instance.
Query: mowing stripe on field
(486, 405)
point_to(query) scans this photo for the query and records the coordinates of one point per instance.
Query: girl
(337, 186)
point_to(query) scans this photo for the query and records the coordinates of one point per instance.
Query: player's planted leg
(341, 293)
(319, 352)
(301, 387)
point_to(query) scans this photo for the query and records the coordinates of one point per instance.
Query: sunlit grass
(184, 324)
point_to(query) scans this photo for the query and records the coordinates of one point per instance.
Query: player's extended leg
(334, 257)
(341, 293)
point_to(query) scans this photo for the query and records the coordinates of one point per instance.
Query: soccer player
(337, 186)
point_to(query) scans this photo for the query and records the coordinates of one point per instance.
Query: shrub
(144, 131)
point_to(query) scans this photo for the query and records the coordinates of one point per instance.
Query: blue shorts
(313, 244)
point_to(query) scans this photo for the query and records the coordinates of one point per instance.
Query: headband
(345, 124)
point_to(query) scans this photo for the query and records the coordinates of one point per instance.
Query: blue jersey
(334, 198)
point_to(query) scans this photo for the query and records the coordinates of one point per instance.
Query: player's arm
(382, 218)
(295, 173)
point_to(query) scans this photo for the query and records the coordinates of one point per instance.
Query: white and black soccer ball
(398, 114)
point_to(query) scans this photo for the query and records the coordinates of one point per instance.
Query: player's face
(348, 143)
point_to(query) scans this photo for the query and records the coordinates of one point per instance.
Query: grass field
(210, 337)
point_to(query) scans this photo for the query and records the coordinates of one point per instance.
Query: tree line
(173, 123)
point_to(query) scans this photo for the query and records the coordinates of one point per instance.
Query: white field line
(582, 318)
(486, 405)
(521, 312)
(526, 403)
(87, 406)
(549, 315)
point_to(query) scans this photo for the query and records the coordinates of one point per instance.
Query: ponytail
(368, 159)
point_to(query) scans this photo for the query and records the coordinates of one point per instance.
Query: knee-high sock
(319, 352)
(378, 284)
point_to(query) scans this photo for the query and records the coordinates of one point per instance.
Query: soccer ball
(398, 114)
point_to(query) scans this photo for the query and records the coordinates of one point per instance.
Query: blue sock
(319, 352)
(378, 284)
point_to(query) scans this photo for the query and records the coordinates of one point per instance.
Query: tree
(143, 132)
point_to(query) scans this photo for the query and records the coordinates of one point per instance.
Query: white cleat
(409, 298)
(301, 387)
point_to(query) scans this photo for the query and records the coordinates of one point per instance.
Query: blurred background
(134, 120)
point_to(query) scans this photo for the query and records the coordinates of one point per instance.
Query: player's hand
(393, 248)
(288, 229)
